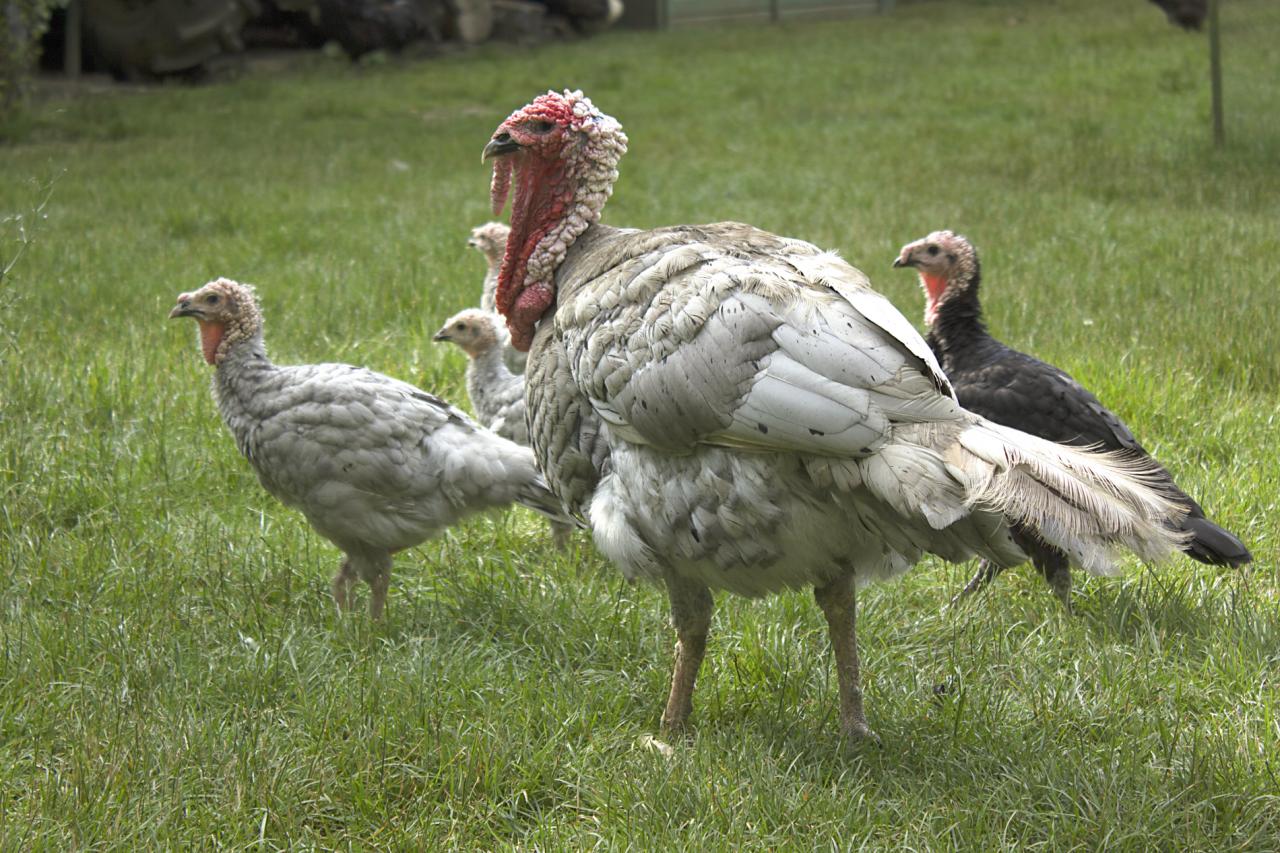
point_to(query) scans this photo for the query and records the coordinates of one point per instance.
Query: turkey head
(561, 154)
(226, 312)
(947, 266)
(473, 331)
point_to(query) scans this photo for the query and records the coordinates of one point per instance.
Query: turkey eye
(933, 250)
(459, 326)
(540, 126)
(212, 299)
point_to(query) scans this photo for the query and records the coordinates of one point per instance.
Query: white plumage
(375, 464)
(741, 411)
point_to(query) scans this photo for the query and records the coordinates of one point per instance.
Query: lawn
(172, 671)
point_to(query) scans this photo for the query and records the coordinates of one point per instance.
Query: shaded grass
(171, 673)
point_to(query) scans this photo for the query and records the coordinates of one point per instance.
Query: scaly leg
(986, 573)
(379, 579)
(343, 586)
(561, 535)
(691, 606)
(840, 605)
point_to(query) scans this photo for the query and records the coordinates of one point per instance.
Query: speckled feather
(368, 459)
(375, 464)
(662, 357)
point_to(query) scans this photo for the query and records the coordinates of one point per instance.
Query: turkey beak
(184, 308)
(501, 145)
(903, 260)
(441, 335)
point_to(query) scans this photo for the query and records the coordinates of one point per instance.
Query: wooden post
(1215, 75)
(71, 39)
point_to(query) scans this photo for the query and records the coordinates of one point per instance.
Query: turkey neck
(241, 374)
(958, 327)
(486, 371)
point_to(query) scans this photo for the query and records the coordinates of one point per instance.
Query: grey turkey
(497, 394)
(1023, 392)
(375, 464)
(734, 410)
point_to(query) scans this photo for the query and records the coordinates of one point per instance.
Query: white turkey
(497, 394)
(490, 240)
(375, 464)
(736, 410)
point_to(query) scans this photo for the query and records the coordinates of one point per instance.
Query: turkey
(733, 410)
(1188, 14)
(491, 240)
(375, 464)
(1019, 391)
(497, 394)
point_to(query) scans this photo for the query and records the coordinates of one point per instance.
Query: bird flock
(720, 407)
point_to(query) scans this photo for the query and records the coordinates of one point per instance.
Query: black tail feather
(1212, 545)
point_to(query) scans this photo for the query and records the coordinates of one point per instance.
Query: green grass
(172, 673)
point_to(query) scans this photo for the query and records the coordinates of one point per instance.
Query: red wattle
(934, 287)
(532, 303)
(210, 337)
(541, 196)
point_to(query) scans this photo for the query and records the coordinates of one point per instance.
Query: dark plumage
(1020, 391)
(1188, 14)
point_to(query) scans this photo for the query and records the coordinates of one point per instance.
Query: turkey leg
(839, 604)
(1057, 571)
(343, 583)
(986, 573)
(378, 575)
(691, 606)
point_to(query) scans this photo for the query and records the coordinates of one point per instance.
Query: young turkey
(497, 394)
(740, 411)
(491, 240)
(376, 465)
(1017, 390)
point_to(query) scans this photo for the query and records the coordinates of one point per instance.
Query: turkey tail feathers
(1211, 544)
(1088, 504)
